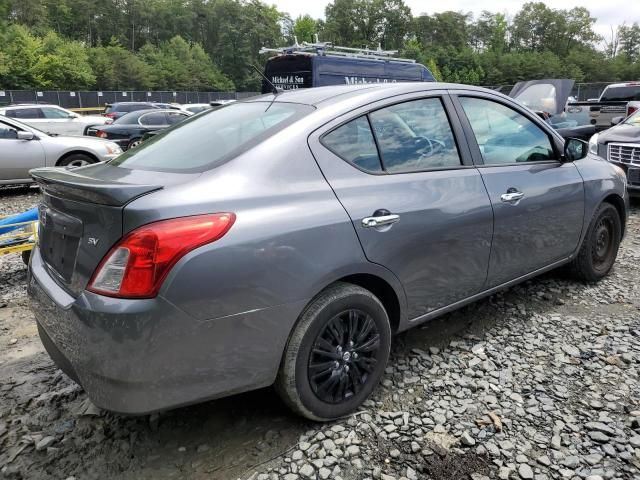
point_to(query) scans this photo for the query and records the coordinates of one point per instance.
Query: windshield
(633, 119)
(210, 138)
(621, 94)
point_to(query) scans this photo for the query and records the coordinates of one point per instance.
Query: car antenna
(275, 90)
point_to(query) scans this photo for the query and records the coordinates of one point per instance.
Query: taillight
(138, 264)
(101, 134)
(631, 110)
(109, 115)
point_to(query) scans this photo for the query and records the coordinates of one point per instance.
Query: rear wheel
(76, 160)
(600, 245)
(337, 353)
(26, 256)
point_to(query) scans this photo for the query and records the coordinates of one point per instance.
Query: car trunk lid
(81, 215)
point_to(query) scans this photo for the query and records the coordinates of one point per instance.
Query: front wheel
(76, 160)
(600, 245)
(134, 143)
(337, 353)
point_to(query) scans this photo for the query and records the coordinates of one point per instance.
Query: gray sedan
(23, 147)
(284, 240)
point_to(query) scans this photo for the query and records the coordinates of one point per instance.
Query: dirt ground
(49, 429)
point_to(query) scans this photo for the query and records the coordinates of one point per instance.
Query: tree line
(210, 44)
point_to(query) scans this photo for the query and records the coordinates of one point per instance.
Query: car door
(153, 121)
(17, 157)
(417, 204)
(538, 201)
(60, 122)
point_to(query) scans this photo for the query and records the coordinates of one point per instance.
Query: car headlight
(593, 144)
(113, 149)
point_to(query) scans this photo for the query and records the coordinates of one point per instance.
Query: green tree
(304, 28)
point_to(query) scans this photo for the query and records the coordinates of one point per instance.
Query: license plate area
(59, 239)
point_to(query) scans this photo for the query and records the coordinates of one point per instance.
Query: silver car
(23, 147)
(284, 240)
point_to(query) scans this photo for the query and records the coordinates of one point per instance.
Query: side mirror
(616, 120)
(24, 135)
(575, 149)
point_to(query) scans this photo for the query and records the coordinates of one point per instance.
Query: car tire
(26, 256)
(336, 354)
(77, 160)
(600, 245)
(134, 143)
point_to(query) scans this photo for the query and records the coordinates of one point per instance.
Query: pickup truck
(617, 100)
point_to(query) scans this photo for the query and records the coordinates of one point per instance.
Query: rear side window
(415, 136)
(628, 93)
(354, 143)
(175, 117)
(206, 140)
(25, 113)
(153, 119)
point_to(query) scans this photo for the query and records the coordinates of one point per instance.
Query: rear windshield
(621, 94)
(208, 139)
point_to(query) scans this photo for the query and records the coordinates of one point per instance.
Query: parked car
(620, 145)
(52, 119)
(23, 147)
(284, 239)
(114, 111)
(128, 130)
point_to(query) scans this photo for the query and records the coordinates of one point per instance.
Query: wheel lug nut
(346, 368)
(336, 365)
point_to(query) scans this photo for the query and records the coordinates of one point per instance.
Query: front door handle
(380, 221)
(512, 196)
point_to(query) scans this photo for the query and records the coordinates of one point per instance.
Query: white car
(23, 147)
(52, 119)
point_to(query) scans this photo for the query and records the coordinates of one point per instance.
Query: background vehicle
(116, 110)
(618, 99)
(550, 99)
(322, 64)
(621, 146)
(52, 119)
(23, 147)
(285, 238)
(129, 129)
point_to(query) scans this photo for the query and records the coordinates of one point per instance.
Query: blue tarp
(28, 216)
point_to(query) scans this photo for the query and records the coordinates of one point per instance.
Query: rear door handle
(380, 221)
(511, 197)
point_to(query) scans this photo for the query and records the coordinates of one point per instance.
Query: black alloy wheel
(343, 356)
(336, 353)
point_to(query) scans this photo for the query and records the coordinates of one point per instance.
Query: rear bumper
(140, 356)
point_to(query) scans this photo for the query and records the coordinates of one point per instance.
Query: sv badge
(93, 241)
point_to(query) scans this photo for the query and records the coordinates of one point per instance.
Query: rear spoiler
(73, 185)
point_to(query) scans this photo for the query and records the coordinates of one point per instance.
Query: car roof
(28, 105)
(321, 96)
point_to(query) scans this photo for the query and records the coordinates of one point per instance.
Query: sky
(608, 12)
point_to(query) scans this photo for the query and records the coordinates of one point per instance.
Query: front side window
(54, 113)
(354, 142)
(415, 136)
(505, 136)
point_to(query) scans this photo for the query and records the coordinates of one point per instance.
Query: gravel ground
(538, 382)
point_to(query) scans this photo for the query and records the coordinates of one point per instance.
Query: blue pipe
(28, 216)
